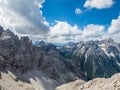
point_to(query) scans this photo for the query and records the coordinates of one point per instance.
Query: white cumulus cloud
(115, 26)
(92, 30)
(64, 32)
(23, 16)
(99, 4)
(114, 29)
(78, 11)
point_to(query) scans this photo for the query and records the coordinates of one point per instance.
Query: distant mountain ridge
(95, 58)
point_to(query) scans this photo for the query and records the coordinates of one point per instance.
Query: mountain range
(94, 58)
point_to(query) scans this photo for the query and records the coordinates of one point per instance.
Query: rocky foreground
(112, 83)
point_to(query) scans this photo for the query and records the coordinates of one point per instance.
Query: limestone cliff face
(112, 83)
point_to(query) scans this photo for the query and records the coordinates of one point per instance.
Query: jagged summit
(1, 30)
(7, 34)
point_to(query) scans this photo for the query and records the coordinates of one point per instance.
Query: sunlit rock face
(112, 83)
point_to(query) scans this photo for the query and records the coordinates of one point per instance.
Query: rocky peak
(108, 42)
(26, 40)
(46, 46)
(41, 43)
(7, 34)
(1, 30)
(50, 47)
(25, 43)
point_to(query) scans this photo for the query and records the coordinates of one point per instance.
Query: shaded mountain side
(37, 81)
(21, 56)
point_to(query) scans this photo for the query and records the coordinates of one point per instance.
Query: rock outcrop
(112, 83)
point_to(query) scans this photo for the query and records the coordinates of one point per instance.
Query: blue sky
(64, 10)
(94, 20)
